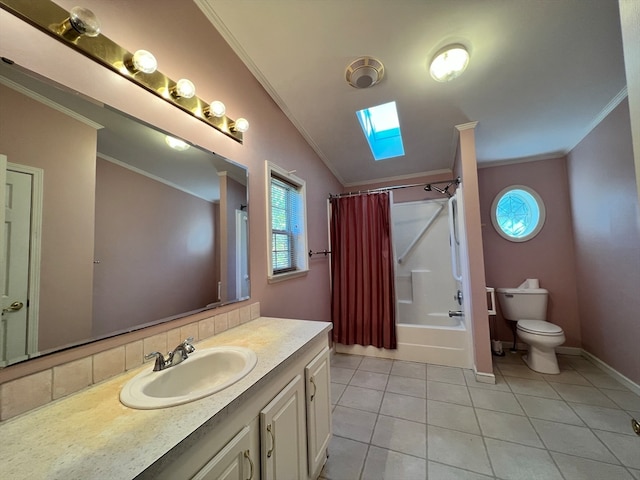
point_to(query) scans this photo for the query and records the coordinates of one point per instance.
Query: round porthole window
(518, 213)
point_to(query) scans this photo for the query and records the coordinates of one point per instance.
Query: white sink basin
(205, 372)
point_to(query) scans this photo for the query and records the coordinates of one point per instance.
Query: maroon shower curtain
(363, 292)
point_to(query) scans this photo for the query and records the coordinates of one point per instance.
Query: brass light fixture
(80, 29)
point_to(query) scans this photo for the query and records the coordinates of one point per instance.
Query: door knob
(14, 307)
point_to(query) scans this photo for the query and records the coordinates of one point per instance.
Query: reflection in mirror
(107, 229)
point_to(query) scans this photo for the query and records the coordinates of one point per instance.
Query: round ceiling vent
(364, 72)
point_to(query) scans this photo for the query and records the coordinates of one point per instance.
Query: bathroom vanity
(273, 423)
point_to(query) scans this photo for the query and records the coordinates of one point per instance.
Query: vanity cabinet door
(282, 434)
(233, 462)
(318, 399)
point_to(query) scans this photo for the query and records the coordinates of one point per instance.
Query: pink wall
(155, 247)
(67, 156)
(606, 223)
(549, 256)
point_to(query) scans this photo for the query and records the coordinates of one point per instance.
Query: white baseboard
(630, 384)
(482, 377)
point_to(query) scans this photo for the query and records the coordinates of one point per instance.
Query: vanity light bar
(49, 17)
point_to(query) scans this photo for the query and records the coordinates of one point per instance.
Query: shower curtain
(363, 291)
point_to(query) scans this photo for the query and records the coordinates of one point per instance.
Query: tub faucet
(456, 313)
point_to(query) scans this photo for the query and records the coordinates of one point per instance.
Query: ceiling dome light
(215, 109)
(449, 63)
(176, 144)
(240, 125)
(144, 62)
(184, 89)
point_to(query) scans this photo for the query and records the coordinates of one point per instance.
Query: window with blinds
(287, 222)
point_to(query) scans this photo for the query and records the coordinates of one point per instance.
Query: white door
(20, 215)
(282, 434)
(242, 255)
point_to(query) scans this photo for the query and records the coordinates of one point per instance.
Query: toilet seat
(539, 327)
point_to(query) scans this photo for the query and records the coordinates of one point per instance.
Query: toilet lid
(539, 327)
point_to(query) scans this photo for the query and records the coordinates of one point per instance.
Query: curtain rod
(386, 189)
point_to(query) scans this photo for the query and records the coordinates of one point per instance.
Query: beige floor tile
(518, 462)
(337, 389)
(508, 427)
(522, 371)
(346, 361)
(409, 369)
(441, 373)
(401, 436)
(407, 386)
(378, 365)
(346, 458)
(568, 376)
(602, 380)
(458, 449)
(623, 398)
(448, 392)
(498, 401)
(582, 394)
(382, 464)
(450, 415)
(353, 424)
(625, 447)
(527, 386)
(404, 406)
(549, 409)
(577, 468)
(376, 381)
(572, 440)
(601, 418)
(341, 375)
(361, 398)
(438, 471)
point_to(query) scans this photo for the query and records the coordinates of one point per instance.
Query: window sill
(286, 276)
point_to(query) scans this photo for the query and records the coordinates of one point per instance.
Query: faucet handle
(160, 361)
(188, 345)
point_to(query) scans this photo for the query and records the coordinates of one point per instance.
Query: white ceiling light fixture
(364, 72)
(449, 63)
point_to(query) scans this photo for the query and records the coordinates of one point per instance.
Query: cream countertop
(92, 435)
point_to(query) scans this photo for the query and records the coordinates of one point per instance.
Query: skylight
(381, 128)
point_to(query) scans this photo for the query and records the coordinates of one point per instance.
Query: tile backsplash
(26, 393)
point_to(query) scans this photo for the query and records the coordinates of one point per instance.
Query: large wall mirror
(107, 228)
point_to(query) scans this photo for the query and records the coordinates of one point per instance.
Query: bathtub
(441, 340)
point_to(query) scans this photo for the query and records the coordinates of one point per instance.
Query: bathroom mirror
(122, 231)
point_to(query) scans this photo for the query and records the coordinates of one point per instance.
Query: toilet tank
(523, 303)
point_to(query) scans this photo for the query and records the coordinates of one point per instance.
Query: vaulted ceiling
(542, 74)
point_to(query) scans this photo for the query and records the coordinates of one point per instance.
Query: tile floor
(406, 421)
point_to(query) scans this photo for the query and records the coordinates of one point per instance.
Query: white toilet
(527, 305)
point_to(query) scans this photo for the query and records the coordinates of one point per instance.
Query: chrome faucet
(178, 355)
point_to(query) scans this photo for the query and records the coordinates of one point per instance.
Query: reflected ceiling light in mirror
(184, 88)
(215, 109)
(142, 61)
(240, 125)
(176, 143)
(81, 21)
(449, 63)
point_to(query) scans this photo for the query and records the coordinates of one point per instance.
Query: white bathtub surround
(92, 435)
